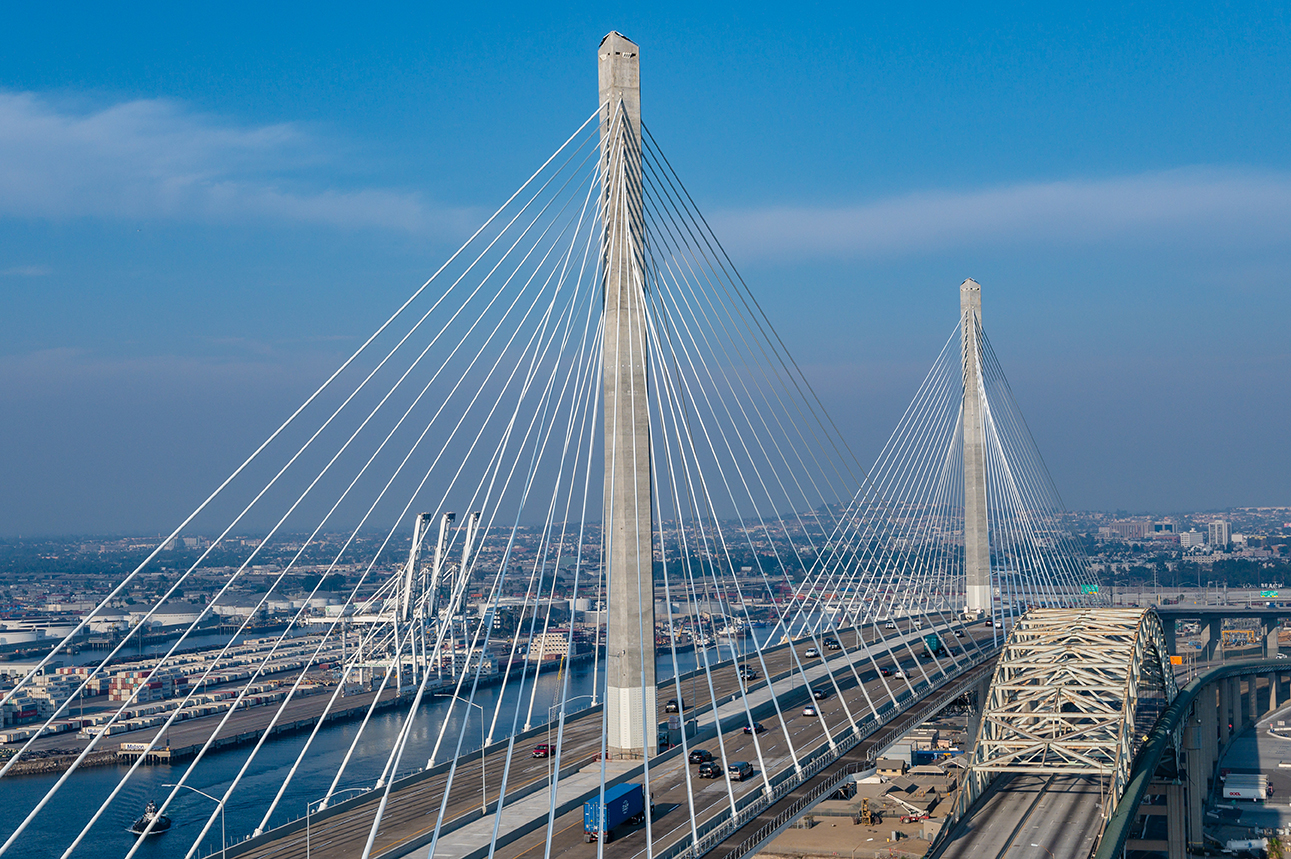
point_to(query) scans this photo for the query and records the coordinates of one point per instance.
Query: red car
(543, 751)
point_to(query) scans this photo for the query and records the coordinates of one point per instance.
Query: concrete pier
(630, 664)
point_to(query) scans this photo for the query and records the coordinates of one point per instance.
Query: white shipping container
(1245, 791)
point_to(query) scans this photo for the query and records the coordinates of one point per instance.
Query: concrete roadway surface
(412, 810)
(1032, 817)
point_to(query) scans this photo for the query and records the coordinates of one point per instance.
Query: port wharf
(248, 723)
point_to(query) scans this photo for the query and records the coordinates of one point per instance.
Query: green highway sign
(1267, 594)
(1089, 589)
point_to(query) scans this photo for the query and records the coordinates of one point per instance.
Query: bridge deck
(1032, 816)
(672, 819)
(412, 810)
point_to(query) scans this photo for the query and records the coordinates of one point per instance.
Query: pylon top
(615, 34)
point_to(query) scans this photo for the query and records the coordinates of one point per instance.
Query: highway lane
(857, 758)
(668, 782)
(413, 809)
(1032, 817)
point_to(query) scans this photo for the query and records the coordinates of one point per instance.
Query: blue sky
(201, 210)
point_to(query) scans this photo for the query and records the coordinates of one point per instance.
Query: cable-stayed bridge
(612, 519)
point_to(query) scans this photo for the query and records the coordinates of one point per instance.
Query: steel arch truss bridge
(1074, 693)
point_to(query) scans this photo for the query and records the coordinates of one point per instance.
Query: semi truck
(932, 643)
(623, 803)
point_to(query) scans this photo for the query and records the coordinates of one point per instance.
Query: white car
(810, 710)
(899, 673)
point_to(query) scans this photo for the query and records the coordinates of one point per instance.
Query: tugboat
(149, 815)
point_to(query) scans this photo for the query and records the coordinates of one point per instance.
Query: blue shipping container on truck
(623, 802)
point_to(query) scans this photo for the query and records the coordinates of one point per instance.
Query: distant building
(1191, 539)
(1165, 526)
(1131, 529)
(546, 646)
(1219, 534)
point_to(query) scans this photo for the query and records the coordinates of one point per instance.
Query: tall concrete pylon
(977, 546)
(630, 704)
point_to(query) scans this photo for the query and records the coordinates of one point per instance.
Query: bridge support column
(1253, 703)
(1176, 821)
(1225, 710)
(1274, 680)
(1175, 841)
(629, 524)
(1198, 766)
(977, 547)
(1208, 714)
(1209, 639)
(1171, 637)
(1271, 641)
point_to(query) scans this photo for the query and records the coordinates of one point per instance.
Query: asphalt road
(1032, 817)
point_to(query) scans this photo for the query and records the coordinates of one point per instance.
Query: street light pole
(484, 787)
(553, 708)
(224, 844)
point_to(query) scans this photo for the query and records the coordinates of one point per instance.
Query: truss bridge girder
(1069, 690)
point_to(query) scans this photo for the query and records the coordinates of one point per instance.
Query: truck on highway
(623, 803)
(932, 644)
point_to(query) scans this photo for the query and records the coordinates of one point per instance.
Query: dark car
(740, 770)
(820, 694)
(543, 751)
(886, 672)
(832, 644)
(673, 706)
(710, 769)
(699, 756)
(747, 673)
(754, 728)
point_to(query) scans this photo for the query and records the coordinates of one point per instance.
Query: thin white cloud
(1222, 208)
(26, 271)
(154, 158)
